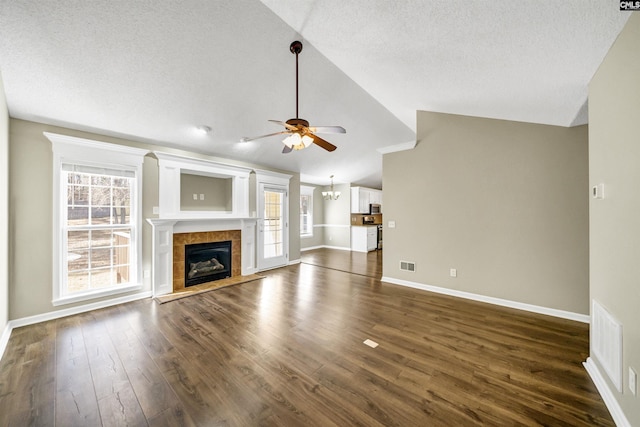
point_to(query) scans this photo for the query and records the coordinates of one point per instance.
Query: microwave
(374, 208)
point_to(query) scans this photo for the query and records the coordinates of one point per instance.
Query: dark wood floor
(364, 264)
(288, 350)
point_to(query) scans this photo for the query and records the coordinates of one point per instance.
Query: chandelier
(331, 195)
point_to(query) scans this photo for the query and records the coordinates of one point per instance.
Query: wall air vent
(408, 266)
(606, 343)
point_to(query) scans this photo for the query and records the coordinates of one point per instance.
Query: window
(97, 206)
(306, 211)
(97, 228)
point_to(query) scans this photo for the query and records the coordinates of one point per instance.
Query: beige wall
(318, 218)
(294, 217)
(4, 210)
(505, 203)
(217, 193)
(30, 218)
(331, 219)
(614, 160)
(337, 217)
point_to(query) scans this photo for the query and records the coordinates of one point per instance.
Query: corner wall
(505, 203)
(318, 220)
(614, 160)
(4, 213)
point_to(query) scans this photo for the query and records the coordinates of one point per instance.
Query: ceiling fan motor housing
(297, 122)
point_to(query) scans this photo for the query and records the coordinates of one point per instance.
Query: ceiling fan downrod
(296, 48)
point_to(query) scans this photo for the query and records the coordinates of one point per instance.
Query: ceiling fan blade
(327, 129)
(322, 143)
(286, 149)
(245, 139)
(287, 125)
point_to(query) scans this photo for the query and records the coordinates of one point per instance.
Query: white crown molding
(271, 177)
(409, 145)
(205, 167)
(76, 143)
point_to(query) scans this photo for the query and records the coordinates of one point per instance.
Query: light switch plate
(597, 192)
(392, 224)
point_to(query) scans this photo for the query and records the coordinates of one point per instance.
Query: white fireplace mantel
(162, 254)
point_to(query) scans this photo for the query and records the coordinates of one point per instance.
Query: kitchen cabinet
(361, 197)
(364, 238)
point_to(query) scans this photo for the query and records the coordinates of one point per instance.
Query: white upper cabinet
(361, 197)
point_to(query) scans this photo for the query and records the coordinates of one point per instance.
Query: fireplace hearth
(207, 262)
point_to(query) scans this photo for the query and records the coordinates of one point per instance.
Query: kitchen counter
(356, 219)
(364, 237)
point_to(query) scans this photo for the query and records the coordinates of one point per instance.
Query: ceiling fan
(301, 135)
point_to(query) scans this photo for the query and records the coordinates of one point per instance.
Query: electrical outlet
(195, 196)
(146, 274)
(633, 381)
(453, 272)
(201, 196)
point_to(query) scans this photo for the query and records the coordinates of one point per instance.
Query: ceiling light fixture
(331, 195)
(297, 142)
(203, 130)
(299, 134)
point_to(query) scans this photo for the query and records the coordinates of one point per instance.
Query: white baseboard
(4, 339)
(340, 248)
(12, 324)
(294, 262)
(607, 395)
(584, 318)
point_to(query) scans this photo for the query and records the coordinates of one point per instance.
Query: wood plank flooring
(288, 350)
(365, 264)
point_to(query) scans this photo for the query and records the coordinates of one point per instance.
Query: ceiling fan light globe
(307, 140)
(290, 141)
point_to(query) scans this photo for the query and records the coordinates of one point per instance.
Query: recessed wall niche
(205, 193)
(222, 190)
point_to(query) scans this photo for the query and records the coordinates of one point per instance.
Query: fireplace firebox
(206, 262)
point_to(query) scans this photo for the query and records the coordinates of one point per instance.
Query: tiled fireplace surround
(170, 236)
(174, 226)
(180, 240)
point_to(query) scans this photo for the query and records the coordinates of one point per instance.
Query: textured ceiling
(153, 70)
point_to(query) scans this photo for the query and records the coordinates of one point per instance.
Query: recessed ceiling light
(203, 130)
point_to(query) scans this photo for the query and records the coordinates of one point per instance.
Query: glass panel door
(273, 224)
(272, 227)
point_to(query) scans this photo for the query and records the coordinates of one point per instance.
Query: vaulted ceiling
(152, 71)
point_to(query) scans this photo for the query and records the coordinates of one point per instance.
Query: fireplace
(206, 262)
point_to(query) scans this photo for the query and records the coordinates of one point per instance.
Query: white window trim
(307, 190)
(68, 149)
